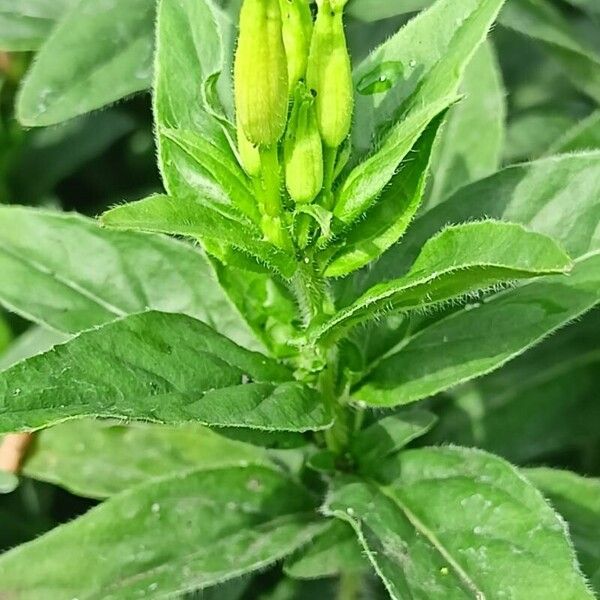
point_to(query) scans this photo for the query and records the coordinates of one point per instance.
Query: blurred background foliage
(76, 135)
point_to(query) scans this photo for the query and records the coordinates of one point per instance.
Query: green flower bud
(249, 154)
(303, 151)
(297, 32)
(329, 73)
(260, 73)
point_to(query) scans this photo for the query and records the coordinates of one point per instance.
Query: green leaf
(157, 367)
(167, 537)
(389, 435)
(391, 215)
(97, 459)
(375, 10)
(24, 25)
(460, 260)
(413, 74)
(72, 76)
(557, 382)
(187, 216)
(54, 269)
(558, 196)
(481, 337)
(470, 145)
(577, 499)
(543, 21)
(458, 523)
(331, 553)
(585, 135)
(34, 341)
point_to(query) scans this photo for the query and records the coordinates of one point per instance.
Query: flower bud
(303, 151)
(297, 32)
(329, 73)
(248, 153)
(260, 73)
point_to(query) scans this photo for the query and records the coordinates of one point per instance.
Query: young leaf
(157, 367)
(470, 145)
(391, 215)
(460, 260)
(187, 216)
(389, 435)
(459, 523)
(558, 196)
(411, 72)
(25, 25)
(54, 269)
(331, 553)
(164, 538)
(577, 499)
(95, 459)
(481, 337)
(544, 22)
(72, 76)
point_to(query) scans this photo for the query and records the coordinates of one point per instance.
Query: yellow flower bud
(249, 154)
(303, 151)
(297, 32)
(260, 73)
(329, 73)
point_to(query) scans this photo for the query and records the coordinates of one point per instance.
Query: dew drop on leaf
(381, 79)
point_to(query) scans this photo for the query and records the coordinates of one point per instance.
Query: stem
(271, 180)
(329, 160)
(13, 448)
(350, 586)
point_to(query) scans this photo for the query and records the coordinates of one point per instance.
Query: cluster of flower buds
(293, 99)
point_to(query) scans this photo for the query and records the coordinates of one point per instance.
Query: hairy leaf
(187, 216)
(99, 53)
(157, 367)
(481, 337)
(458, 523)
(63, 271)
(164, 538)
(331, 553)
(577, 499)
(458, 261)
(585, 135)
(99, 459)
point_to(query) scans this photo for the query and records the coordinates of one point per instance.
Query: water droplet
(17, 392)
(350, 510)
(444, 571)
(412, 63)
(381, 79)
(254, 485)
(155, 508)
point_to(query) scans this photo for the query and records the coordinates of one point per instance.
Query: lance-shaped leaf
(168, 537)
(64, 83)
(389, 435)
(577, 499)
(476, 122)
(391, 215)
(433, 85)
(98, 459)
(458, 261)
(189, 217)
(66, 272)
(333, 552)
(157, 367)
(481, 337)
(557, 196)
(403, 69)
(24, 25)
(458, 523)
(557, 382)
